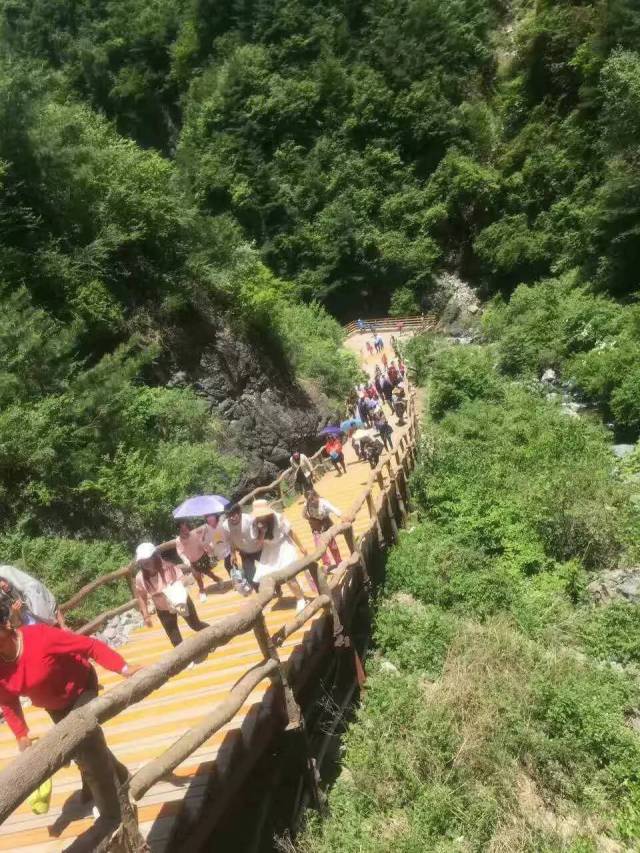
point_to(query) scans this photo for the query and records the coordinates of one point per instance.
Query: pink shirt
(152, 585)
(192, 547)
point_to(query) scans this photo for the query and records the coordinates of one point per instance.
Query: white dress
(277, 552)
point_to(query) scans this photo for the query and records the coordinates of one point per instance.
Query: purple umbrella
(201, 505)
(331, 430)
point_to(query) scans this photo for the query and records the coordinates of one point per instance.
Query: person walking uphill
(243, 541)
(52, 668)
(302, 470)
(384, 428)
(333, 449)
(193, 553)
(318, 512)
(31, 602)
(162, 581)
(278, 543)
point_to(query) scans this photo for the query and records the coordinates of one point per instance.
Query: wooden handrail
(86, 590)
(57, 746)
(390, 323)
(181, 749)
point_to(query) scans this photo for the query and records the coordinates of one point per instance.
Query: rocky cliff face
(456, 305)
(265, 411)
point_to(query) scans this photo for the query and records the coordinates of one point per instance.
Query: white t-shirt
(324, 510)
(216, 541)
(242, 536)
(304, 464)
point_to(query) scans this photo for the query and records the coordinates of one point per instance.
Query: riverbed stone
(623, 450)
(616, 584)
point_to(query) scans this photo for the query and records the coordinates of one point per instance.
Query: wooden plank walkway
(143, 731)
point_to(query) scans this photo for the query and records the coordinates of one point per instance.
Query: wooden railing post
(400, 500)
(280, 680)
(317, 572)
(392, 521)
(350, 539)
(117, 825)
(370, 505)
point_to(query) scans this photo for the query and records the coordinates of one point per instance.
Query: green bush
(612, 633)
(414, 637)
(313, 342)
(461, 374)
(506, 733)
(404, 303)
(65, 565)
(546, 324)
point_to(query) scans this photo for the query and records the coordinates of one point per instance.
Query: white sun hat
(261, 508)
(145, 551)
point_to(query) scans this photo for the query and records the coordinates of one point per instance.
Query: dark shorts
(204, 564)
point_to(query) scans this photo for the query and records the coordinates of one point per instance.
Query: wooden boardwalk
(147, 728)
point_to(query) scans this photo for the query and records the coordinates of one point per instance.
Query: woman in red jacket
(51, 667)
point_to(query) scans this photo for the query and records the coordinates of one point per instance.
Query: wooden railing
(417, 323)
(385, 495)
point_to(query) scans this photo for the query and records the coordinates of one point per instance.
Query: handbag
(176, 595)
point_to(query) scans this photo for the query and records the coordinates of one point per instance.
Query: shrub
(414, 637)
(462, 373)
(545, 324)
(404, 302)
(313, 341)
(612, 633)
(468, 757)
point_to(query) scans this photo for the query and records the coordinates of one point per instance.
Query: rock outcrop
(456, 305)
(265, 411)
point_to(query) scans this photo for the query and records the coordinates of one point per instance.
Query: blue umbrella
(331, 430)
(201, 505)
(351, 423)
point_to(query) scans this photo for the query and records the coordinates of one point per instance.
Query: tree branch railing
(414, 322)
(29, 769)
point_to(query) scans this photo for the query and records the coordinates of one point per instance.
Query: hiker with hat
(243, 541)
(302, 470)
(278, 542)
(318, 512)
(162, 581)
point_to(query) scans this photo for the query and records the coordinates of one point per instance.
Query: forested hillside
(177, 178)
(189, 189)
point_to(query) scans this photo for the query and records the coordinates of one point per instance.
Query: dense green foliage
(108, 265)
(363, 144)
(505, 723)
(592, 340)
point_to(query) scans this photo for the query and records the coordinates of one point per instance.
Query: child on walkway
(333, 449)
